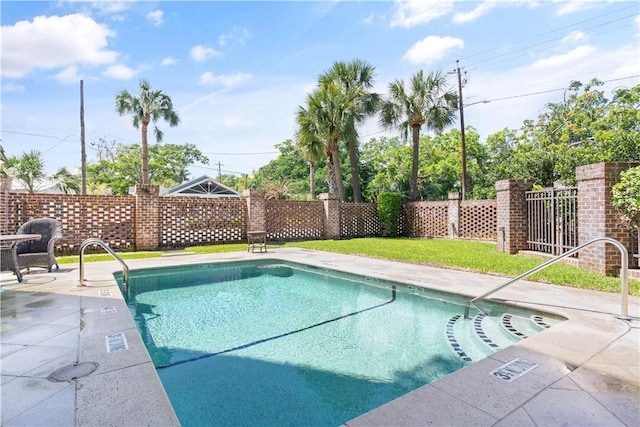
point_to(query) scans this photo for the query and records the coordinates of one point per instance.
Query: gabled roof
(204, 186)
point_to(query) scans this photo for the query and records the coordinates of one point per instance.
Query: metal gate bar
(552, 220)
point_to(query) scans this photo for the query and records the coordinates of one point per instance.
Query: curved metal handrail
(96, 241)
(624, 310)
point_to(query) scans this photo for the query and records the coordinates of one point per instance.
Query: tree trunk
(331, 176)
(145, 153)
(415, 133)
(312, 180)
(335, 157)
(355, 170)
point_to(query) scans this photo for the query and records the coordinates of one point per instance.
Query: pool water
(275, 344)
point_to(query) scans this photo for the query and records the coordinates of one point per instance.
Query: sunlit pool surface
(272, 344)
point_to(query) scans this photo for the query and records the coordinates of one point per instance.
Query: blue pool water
(275, 344)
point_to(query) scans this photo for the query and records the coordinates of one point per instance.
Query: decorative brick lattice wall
(110, 218)
(478, 219)
(289, 220)
(359, 220)
(424, 219)
(190, 221)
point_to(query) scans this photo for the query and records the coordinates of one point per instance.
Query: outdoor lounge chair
(39, 253)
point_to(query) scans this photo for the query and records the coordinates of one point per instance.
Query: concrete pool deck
(588, 366)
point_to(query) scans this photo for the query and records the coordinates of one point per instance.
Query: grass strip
(480, 257)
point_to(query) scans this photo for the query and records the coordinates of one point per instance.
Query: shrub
(626, 197)
(389, 205)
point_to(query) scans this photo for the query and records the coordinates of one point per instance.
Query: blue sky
(237, 71)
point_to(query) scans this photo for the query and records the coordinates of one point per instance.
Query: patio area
(588, 370)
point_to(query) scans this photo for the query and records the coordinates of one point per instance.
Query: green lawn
(479, 257)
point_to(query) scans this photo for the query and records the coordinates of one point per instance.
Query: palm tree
(147, 107)
(310, 146)
(326, 118)
(429, 102)
(356, 77)
(28, 169)
(66, 182)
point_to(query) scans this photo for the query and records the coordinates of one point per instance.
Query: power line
(547, 41)
(550, 31)
(486, 101)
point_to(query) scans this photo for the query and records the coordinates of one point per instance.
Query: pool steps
(477, 338)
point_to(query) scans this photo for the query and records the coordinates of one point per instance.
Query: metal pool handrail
(624, 310)
(96, 241)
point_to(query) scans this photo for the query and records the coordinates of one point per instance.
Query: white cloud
(227, 80)
(571, 6)
(414, 12)
(233, 122)
(168, 61)
(369, 19)
(113, 6)
(239, 34)
(120, 72)
(13, 88)
(575, 36)
(50, 42)
(68, 76)
(481, 9)
(156, 17)
(201, 53)
(569, 58)
(431, 49)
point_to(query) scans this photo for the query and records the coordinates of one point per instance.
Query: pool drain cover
(73, 372)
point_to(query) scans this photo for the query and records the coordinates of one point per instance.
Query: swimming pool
(273, 343)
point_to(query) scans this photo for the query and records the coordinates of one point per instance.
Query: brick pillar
(147, 217)
(597, 217)
(331, 215)
(256, 210)
(512, 214)
(5, 187)
(454, 215)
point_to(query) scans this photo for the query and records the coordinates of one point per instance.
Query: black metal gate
(552, 220)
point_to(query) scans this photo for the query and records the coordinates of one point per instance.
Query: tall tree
(354, 79)
(327, 118)
(310, 147)
(148, 107)
(28, 169)
(428, 101)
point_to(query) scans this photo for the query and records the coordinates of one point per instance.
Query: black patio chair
(39, 253)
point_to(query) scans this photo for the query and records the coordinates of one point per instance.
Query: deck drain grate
(73, 372)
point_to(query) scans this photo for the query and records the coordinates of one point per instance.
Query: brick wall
(289, 220)
(511, 215)
(110, 218)
(597, 217)
(359, 220)
(192, 221)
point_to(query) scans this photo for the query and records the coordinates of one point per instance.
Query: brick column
(5, 187)
(147, 217)
(256, 210)
(597, 217)
(331, 215)
(453, 210)
(512, 214)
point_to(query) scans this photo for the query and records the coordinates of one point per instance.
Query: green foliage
(626, 196)
(28, 169)
(389, 206)
(122, 167)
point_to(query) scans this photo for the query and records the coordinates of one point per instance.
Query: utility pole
(462, 141)
(83, 152)
(219, 170)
